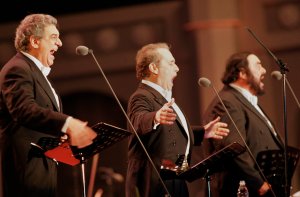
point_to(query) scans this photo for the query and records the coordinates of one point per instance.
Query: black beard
(254, 85)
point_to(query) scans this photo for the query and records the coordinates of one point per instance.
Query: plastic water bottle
(242, 190)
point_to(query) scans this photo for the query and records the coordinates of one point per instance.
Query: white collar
(45, 70)
(167, 94)
(250, 97)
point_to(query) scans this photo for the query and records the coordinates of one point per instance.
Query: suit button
(174, 143)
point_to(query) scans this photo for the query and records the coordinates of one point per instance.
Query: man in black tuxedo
(161, 125)
(243, 83)
(30, 109)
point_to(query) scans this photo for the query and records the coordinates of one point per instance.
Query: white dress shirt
(46, 70)
(253, 100)
(168, 96)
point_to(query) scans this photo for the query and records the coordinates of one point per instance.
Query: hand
(216, 129)
(166, 115)
(264, 189)
(79, 133)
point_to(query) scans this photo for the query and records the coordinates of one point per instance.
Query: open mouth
(52, 53)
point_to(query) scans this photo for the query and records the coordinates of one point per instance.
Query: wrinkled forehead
(51, 30)
(165, 54)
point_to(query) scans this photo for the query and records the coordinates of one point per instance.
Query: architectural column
(213, 24)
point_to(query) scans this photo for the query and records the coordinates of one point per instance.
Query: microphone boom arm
(283, 69)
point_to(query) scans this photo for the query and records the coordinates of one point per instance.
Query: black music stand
(107, 135)
(212, 164)
(206, 167)
(272, 164)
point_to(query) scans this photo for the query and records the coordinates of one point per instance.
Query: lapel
(248, 105)
(277, 136)
(161, 101)
(38, 75)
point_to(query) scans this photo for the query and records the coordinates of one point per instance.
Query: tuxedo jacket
(166, 142)
(28, 111)
(257, 134)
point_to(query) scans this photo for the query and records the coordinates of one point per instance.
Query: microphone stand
(283, 69)
(131, 126)
(293, 93)
(277, 75)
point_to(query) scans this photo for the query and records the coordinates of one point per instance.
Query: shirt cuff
(66, 125)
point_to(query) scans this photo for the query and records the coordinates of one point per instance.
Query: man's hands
(165, 115)
(215, 129)
(79, 133)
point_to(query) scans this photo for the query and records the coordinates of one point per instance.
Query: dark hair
(146, 55)
(237, 62)
(32, 25)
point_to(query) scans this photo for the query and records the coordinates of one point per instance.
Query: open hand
(216, 129)
(166, 115)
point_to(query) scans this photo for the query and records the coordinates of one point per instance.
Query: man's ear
(153, 68)
(34, 42)
(243, 74)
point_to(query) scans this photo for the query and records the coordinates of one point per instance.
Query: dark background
(16, 10)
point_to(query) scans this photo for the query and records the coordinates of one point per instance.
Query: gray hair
(32, 25)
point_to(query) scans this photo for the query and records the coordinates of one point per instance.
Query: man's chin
(260, 92)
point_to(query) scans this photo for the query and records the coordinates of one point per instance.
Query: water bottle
(242, 190)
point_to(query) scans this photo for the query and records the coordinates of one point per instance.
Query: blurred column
(213, 24)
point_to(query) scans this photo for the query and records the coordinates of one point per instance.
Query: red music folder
(63, 153)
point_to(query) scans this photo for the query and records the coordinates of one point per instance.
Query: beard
(254, 85)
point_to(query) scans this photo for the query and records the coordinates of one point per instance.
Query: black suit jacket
(257, 134)
(28, 111)
(165, 142)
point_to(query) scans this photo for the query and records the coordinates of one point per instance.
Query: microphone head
(204, 82)
(276, 75)
(82, 50)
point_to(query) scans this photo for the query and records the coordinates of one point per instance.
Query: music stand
(272, 165)
(212, 164)
(107, 135)
(206, 167)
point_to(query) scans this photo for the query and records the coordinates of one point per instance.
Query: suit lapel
(161, 100)
(257, 113)
(277, 136)
(43, 82)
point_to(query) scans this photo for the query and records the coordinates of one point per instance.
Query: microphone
(83, 50)
(278, 76)
(204, 82)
